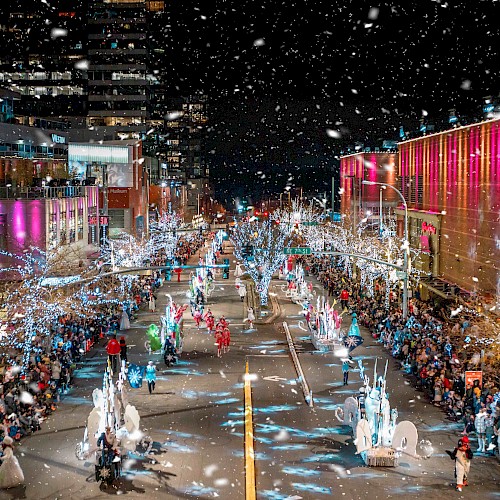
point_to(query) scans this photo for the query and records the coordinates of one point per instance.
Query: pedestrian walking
(151, 376)
(123, 349)
(11, 474)
(345, 370)
(462, 455)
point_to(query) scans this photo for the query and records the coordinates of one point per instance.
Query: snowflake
(105, 473)
(135, 376)
(170, 357)
(353, 341)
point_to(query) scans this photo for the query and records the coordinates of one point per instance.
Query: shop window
(116, 218)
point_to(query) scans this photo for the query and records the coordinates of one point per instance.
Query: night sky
(292, 82)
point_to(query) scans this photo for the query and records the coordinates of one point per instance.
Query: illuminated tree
(37, 290)
(164, 234)
(260, 245)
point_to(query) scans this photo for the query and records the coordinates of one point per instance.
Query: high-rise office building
(45, 45)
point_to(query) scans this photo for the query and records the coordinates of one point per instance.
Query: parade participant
(124, 320)
(242, 291)
(123, 349)
(462, 455)
(11, 474)
(109, 443)
(250, 317)
(209, 320)
(219, 340)
(197, 318)
(345, 370)
(152, 301)
(113, 350)
(226, 339)
(361, 402)
(151, 376)
(223, 321)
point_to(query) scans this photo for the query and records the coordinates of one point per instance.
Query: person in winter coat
(152, 302)
(480, 424)
(151, 376)
(123, 349)
(113, 350)
(462, 455)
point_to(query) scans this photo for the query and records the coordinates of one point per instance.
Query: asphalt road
(195, 418)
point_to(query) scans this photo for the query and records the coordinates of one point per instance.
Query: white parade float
(112, 409)
(379, 440)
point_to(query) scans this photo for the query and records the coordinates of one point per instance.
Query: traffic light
(225, 270)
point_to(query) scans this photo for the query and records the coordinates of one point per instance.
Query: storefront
(424, 229)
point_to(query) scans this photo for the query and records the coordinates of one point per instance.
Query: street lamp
(406, 244)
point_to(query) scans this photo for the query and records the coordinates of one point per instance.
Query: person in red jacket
(113, 350)
(344, 299)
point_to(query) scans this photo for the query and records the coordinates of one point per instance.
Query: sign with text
(297, 251)
(103, 220)
(473, 375)
(310, 223)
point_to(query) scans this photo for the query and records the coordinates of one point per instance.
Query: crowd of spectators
(28, 396)
(428, 346)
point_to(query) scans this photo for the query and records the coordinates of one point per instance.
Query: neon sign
(428, 227)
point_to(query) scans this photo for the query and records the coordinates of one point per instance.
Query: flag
(135, 374)
(353, 341)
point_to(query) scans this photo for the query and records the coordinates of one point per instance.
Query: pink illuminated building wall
(457, 174)
(376, 167)
(45, 223)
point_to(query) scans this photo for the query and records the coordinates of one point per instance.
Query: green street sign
(311, 223)
(297, 251)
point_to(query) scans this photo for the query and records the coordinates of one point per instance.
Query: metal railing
(34, 193)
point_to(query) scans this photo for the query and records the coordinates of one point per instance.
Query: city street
(195, 418)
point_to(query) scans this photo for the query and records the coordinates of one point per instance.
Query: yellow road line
(250, 491)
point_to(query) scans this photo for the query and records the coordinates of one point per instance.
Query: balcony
(35, 193)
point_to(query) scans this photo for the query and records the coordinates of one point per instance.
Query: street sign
(400, 275)
(310, 223)
(297, 251)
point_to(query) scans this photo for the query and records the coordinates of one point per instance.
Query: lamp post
(406, 244)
